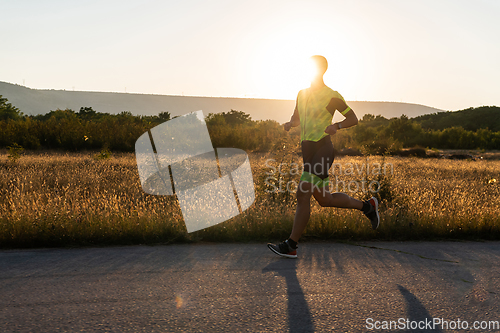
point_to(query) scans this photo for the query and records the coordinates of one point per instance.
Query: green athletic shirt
(316, 108)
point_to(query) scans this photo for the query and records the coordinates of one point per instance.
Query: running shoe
(372, 214)
(283, 249)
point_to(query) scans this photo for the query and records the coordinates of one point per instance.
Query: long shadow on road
(415, 310)
(299, 315)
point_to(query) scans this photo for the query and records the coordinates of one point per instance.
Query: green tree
(8, 111)
(404, 130)
(57, 114)
(234, 117)
(164, 116)
(368, 117)
(87, 113)
(215, 119)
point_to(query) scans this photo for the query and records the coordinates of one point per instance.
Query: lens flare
(179, 302)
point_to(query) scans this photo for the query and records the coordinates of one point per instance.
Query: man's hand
(287, 126)
(332, 129)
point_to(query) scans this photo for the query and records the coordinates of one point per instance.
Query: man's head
(321, 65)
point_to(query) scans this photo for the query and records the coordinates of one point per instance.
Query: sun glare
(282, 64)
(282, 75)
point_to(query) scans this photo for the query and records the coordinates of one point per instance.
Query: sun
(282, 64)
(281, 71)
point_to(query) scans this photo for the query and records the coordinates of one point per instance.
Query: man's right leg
(303, 211)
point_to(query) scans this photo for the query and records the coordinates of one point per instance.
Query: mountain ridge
(40, 101)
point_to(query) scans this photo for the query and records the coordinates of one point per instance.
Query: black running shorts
(318, 157)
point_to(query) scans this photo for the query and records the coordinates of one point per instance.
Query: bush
(15, 152)
(104, 154)
(89, 129)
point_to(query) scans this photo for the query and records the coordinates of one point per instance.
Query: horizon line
(198, 96)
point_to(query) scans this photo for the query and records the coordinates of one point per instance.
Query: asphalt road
(332, 287)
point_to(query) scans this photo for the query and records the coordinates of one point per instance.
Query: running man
(314, 111)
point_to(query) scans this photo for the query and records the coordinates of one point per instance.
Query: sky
(439, 53)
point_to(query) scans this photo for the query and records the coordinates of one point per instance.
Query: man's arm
(294, 121)
(350, 117)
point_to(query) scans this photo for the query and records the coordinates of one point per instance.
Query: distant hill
(35, 101)
(470, 119)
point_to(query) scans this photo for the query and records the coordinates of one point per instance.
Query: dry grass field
(72, 199)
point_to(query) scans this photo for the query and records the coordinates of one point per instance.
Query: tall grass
(64, 199)
(56, 199)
